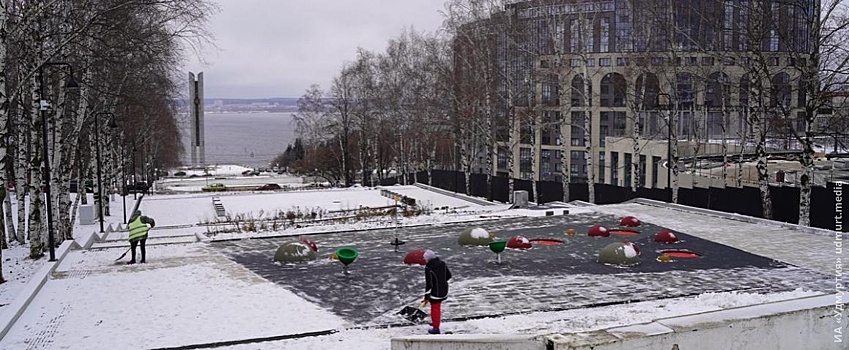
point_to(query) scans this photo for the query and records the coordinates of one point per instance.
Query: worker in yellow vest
(138, 233)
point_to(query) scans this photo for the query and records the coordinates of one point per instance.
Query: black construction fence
(826, 202)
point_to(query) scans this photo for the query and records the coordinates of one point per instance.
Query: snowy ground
(209, 291)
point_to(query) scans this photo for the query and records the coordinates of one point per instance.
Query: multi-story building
(544, 67)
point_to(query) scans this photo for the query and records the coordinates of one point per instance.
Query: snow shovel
(414, 314)
(123, 255)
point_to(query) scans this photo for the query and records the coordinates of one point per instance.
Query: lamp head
(72, 83)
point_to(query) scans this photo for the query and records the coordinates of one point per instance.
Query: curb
(29, 292)
(455, 195)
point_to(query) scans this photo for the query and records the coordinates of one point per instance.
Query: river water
(247, 139)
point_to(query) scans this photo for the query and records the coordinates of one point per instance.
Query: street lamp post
(43, 107)
(664, 104)
(99, 161)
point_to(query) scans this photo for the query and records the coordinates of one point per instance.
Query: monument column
(196, 116)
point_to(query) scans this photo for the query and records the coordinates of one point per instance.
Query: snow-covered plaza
(211, 283)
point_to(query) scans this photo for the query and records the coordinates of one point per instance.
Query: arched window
(684, 94)
(579, 94)
(613, 87)
(718, 93)
(648, 88)
(550, 90)
(745, 88)
(802, 97)
(780, 91)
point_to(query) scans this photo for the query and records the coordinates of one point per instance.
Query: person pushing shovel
(138, 234)
(437, 275)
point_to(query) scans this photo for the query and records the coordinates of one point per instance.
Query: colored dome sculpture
(294, 252)
(598, 231)
(666, 236)
(571, 231)
(619, 254)
(519, 242)
(630, 221)
(415, 257)
(475, 236)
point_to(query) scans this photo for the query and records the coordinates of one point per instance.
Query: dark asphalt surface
(542, 278)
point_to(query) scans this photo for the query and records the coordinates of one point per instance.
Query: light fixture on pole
(99, 172)
(44, 106)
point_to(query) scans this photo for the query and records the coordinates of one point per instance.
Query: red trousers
(435, 313)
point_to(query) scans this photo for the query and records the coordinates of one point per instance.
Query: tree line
(84, 78)
(500, 75)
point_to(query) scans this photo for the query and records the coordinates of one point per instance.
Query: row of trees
(103, 73)
(501, 73)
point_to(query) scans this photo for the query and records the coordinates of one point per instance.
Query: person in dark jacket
(138, 233)
(437, 275)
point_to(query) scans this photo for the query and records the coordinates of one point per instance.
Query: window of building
(612, 90)
(502, 158)
(575, 62)
(728, 61)
(692, 61)
(579, 91)
(627, 170)
(657, 61)
(707, 61)
(591, 62)
(655, 161)
(543, 63)
(603, 133)
(642, 171)
(573, 169)
(604, 62)
(525, 162)
(576, 154)
(773, 61)
(622, 61)
(601, 167)
(614, 168)
(604, 42)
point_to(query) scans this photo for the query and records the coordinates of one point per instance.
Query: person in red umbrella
(437, 275)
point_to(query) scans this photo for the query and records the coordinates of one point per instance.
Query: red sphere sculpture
(519, 242)
(630, 221)
(666, 236)
(598, 231)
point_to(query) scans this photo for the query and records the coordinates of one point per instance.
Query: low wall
(807, 323)
(467, 342)
(804, 323)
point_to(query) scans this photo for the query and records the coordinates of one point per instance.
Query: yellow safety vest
(138, 229)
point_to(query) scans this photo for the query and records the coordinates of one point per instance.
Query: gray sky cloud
(277, 48)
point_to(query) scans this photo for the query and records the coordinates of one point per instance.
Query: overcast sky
(277, 48)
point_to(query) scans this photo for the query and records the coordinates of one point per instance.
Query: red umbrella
(415, 257)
